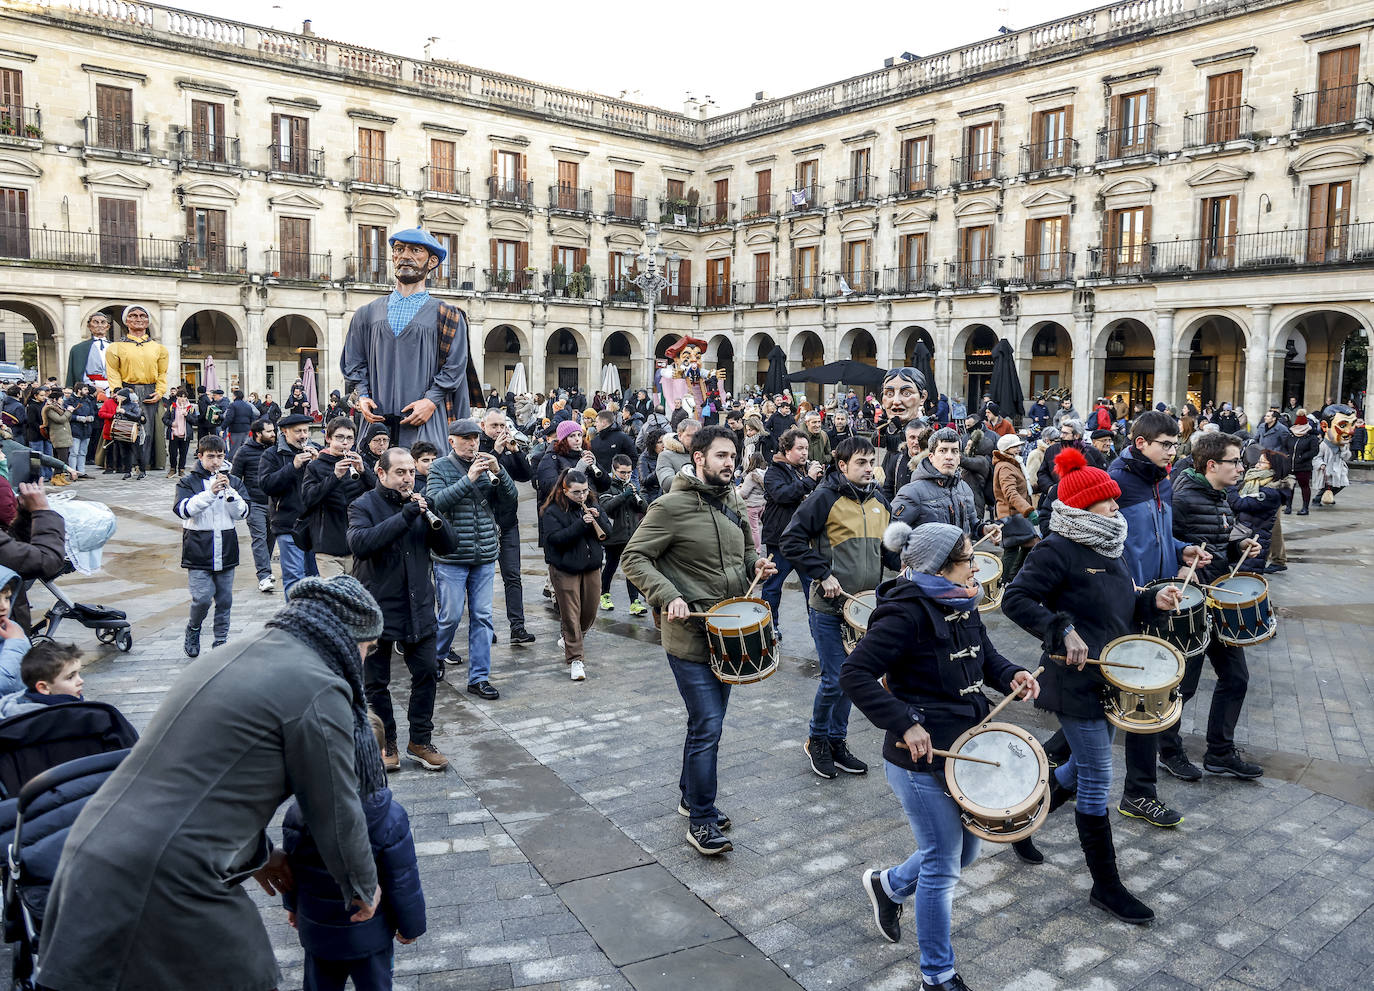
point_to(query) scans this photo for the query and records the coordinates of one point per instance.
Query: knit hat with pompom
(926, 547)
(1080, 484)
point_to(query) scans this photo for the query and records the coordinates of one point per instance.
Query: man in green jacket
(471, 490)
(693, 550)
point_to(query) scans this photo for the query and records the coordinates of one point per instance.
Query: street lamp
(652, 281)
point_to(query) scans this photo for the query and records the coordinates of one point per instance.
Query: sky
(658, 53)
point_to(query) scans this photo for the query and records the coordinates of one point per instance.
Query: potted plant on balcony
(503, 280)
(559, 282)
(32, 131)
(7, 126)
(529, 279)
(580, 282)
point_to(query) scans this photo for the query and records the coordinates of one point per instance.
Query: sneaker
(844, 760)
(818, 750)
(219, 643)
(1274, 569)
(427, 756)
(577, 672)
(390, 759)
(638, 608)
(723, 822)
(606, 602)
(171, 473)
(1155, 812)
(1180, 767)
(561, 644)
(128, 475)
(708, 839)
(1233, 764)
(886, 912)
(453, 657)
(192, 642)
(521, 636)
(268, 585)
(1303, 511)
(494, 639)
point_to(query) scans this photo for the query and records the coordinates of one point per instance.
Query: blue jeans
(470, 585)
(1090, 741)
(943, 849)
(295, 563)
(830, 711)
(369, 973)
(772, 587)
(42, 447)
(706, 697)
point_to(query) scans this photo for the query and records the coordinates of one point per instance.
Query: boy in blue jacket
(336, 948)
(13, 643)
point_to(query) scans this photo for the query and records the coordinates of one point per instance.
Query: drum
(124, 430)
(1006, 803)
(856, 613)
(739, 635)
(1190, 627)
(1241, 611)
(987, 571)
(1143, 698)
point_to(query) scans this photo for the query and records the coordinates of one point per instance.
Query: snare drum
(856, 614)
(739, 636)
(987, 571)
(1000, 804)
(1241, 611)
(124, 430)
(1144, 698)
(1190, 627)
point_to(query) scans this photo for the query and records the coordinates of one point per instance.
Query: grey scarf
(1104, 534)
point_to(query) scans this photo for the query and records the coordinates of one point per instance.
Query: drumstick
(950, 755)
(757, 578)
(1094, 660)
(1014, 692)
(981, 539)
(1247, 542)
(1192, 570)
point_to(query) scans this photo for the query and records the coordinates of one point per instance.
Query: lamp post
(652, 280)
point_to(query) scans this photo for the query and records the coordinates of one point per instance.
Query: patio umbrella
(848, 372)
(610, 379)
(924, 362)
(775, 381)
(211, 376)
(518, 384)
(1006, 384)
(312, 396)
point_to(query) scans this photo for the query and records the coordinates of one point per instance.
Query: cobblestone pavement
(552, 855)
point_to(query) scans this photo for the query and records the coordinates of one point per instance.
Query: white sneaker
(267, 585)
(561, 644)
(578, 672)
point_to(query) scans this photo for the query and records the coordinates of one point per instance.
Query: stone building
(1157, 199)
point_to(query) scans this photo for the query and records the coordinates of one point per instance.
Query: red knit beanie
(1080, 484)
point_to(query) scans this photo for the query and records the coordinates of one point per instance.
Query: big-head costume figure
(687, 378)
(1330, 468)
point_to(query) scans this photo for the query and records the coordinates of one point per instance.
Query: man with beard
(408, 352)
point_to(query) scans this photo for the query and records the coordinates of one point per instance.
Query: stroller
(52, 760)
(89, 527)
(111, 626)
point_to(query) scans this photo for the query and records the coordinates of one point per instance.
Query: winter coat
(1034, 460)
(24, 700)
(784, 487)
(1009, 486)
(271, 412)
(322, 913)
(686, 547)
(325, 499)
(150, 889)
(977, 473)
(1063, 583)
(1046, 476)
(106, 413)
(1276, 438)
(610, 442)
(1039, 414)
(474, 508)
(553, 464)
(1062, 414)
(83, 416)
(673, 458)
(621, 511)
(1304, 450)
(209, 531)
(238, 417)
(281, 481)
(778, 424)
(245, 468)
(839, 531)
(935, 661)
(58, 421)
(570, 544)
(1207, 516)
(751, 489)
(648, 476)
(391, 544)
(1147, 494)
(896, 471)
(33, 546)
(12, 649)
(931, 497)
(819, 449)
(519, 469)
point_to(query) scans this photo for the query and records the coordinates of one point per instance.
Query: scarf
(1256, 479)
(179, 421)
(949, 596)
(1104, 534)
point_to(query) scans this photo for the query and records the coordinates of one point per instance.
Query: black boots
(1108, 894)
(1025, 850)
(1058, 793)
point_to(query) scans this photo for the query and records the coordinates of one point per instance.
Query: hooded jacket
(1147, 494)
(932, 497)
(839, 531)
(784, 488)
(209, 535)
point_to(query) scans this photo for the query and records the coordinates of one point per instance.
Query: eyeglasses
(961, 560)
(1234, 462)
(1168, 445)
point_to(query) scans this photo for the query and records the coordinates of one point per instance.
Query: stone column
(1086, 368)
(329, 357)
(169, 336)
(1257, 363)
(68, 336)
(949, 367)
(252, 355)
(1164, 391)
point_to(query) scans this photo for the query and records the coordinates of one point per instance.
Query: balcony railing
(454, 277)
(758, 207)
(297, 160)
(713, 214)
(20, 122)
(113, 134)
(796, 287)
(510, 192)
(1217, 127)
(569, 285)
(510, 280)
(451, 182)
(1049, 268)
(367, 271)
(1335, 107)
(621, 290)
(756, 293)
(1047, 156)
(717, 294)
(208, 149)
(982, 167)
(1127, 142)
(973, 273)
(220, 259)
(621, 206)
(856, 189)
(912, 278)
(374, 171)
(913, 180)
(90, 248)
(678, 213)
(570, 199)
(303, 265)
(1343, 244)
(803, 199)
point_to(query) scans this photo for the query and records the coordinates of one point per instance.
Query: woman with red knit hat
(1075, 593)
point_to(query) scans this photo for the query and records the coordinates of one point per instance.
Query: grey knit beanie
(347, 599)
(924, 548)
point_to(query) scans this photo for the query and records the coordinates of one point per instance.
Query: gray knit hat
(347, 599)
(924, 548)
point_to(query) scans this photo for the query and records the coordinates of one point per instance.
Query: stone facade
(1159, 199)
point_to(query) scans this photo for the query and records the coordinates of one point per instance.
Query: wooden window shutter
(1068, 126)
(1145, 225)
(1150, 105)
(1114, 116)
(276, 131)
(903, 252)
(868, 259)
(495, 160)
(684, 275)
(493, 269)
(1032, 245)
(520, 164)
(580, 257)
(522, 255)
(725, 271)
(12, 90)
(14, 209)
(992, 144)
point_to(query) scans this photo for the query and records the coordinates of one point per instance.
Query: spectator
(751, 490)
(281, 472)
(238, 417)
(50, 674)
(818, 441)
(270, 411)
(780, 422)
(937, 492)
(997, 423)
(332, 481)
(622, 510)
(1305, 445)
(215, 411)
(35, 427)
(1012, 492)
(57, 420)
(496, 440)
(609, 441)
(209, 502)
(132, 452)
(574, 555)
(179, 419)
(262, 435)
(14, 643)
(789, 479)
(424, 454)
(112, 455)
(676, 454)
(648, 464)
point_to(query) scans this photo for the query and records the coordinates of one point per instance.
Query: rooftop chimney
(306, 28)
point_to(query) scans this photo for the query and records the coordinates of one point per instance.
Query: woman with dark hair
(572, 548)
(648, 464)
(569, 451)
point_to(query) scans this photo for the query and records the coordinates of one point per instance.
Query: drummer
(927, 639)
(835, 537)
(693, 550)
(1072, 594)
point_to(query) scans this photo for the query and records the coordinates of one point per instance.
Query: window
(763, 262)
(857, 264)
(915, 171)
(1218, 232)
(980, 152)
(567, 185)
(1337, 74)
(1223, 107)
(114, 111)
(508, 177)
(808, 174)
(371, 164)
(1042, 382)
(373, 253)
(1328, 219)
(443, 158)
(205, 231)
(975, 255)
(717, 281)
(118, 231)
(1051, 138)
(807, 278)
(721, 210)
(1127, 234)
(207, 131)
(447, 272)
(14, 223)
(860, 160)
(622, 270)
(763, 191)
(509, 259)
(12, 97)
(294, 238)
(679, 277)
(290, 144)
(567, 261)
(911, 263)
(1131, 132)
(1046, 241)
(677, 189)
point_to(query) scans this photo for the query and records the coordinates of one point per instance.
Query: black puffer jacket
(553, 464)
(1304, 450)
(784, 488)
(280, 480)
(391, 542)
(1207, 516)
(934, 661)
(518, 468)
(622, 510)
(325, 498)
(610, 442)
(570, 543)
(1063, 583)
(245, 468)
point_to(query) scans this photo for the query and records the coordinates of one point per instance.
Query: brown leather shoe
(427, 756)
(390, 759)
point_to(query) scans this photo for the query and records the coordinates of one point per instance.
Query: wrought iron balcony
(302, 265)
(510, 192)
(620, 289)
(678, 295)
(1047, 269)
(204, 148)
(1334, 109)
(856, 282)
(803, 287)
(623, 207)
(715, 214)
(678, 213)
(366, 271)
(570, 285)
(297, 160)
(758, 207)
(450, 182)
(1303, 247)
(718, 294)
(973, 273)
(20, 122)
(1219, 127)
(985, 166)
(804, 199)
(758, 293)
(856, 189)
(113, 134)
(1049, 156)
(911, 279)
(570, 199)
(219, 259)
(507, 280)
(1136, 141)
(39, 244)
(913, 180)
(455, 277)
(373, 171)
